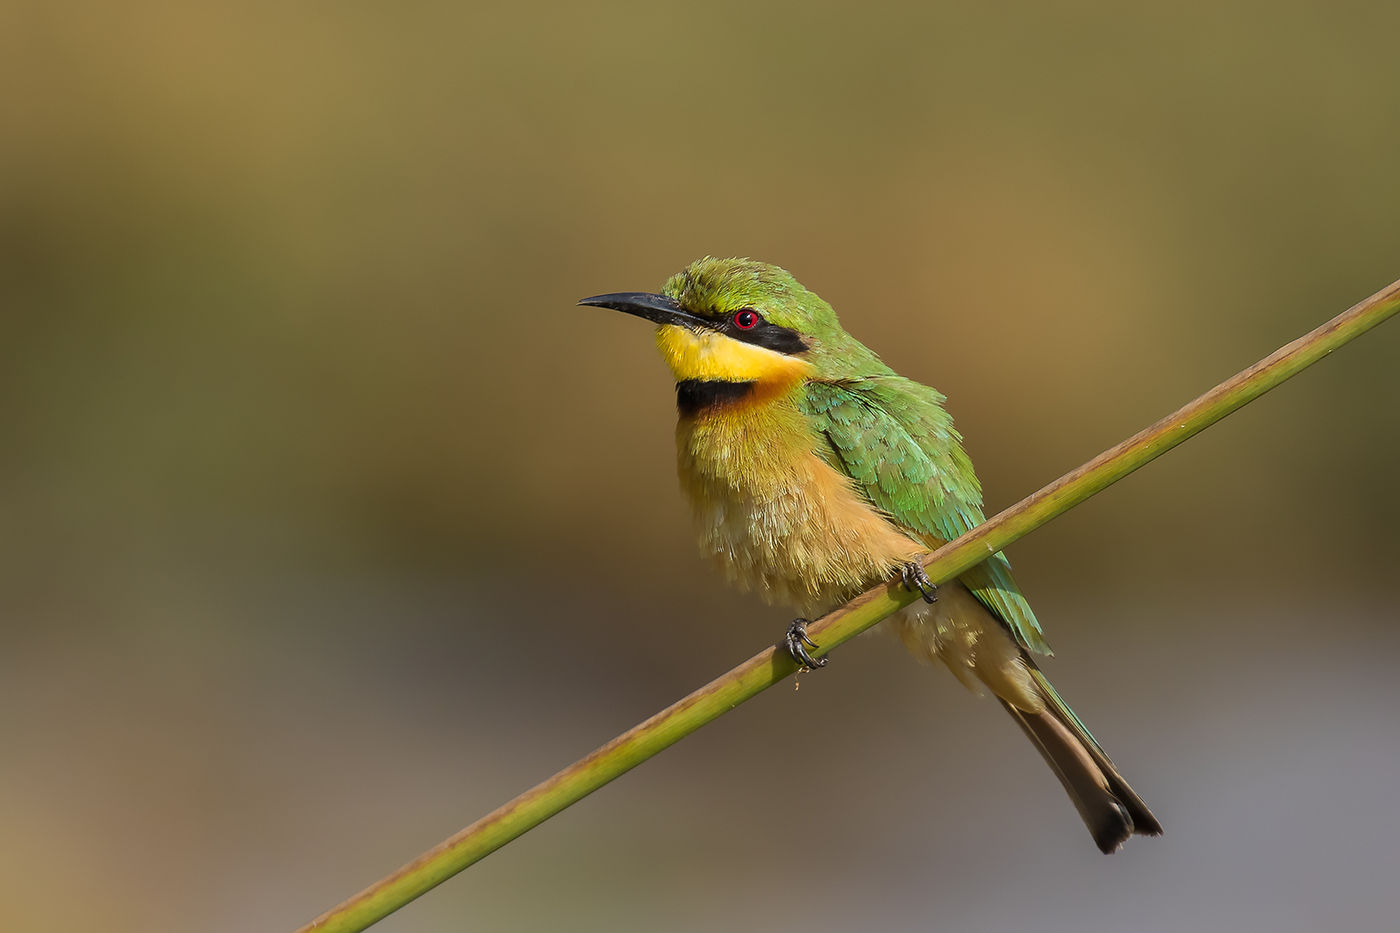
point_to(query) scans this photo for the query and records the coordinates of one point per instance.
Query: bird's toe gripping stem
(913, 576)
(796, 642)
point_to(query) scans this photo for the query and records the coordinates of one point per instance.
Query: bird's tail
(1109, 807)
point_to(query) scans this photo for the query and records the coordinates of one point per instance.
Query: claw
(796, 641)
(914, 578)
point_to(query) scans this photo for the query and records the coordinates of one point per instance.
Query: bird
(814, 471)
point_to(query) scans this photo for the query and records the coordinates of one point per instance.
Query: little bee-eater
(816, 472)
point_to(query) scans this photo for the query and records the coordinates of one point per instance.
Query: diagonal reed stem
(773, 665)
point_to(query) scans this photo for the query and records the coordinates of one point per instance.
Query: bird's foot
(796, 642)
(913, 576)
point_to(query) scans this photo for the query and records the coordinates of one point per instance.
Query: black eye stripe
(763, 333)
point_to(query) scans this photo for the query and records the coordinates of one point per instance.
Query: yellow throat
(709, 356)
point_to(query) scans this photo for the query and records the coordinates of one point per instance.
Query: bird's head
(733, 320)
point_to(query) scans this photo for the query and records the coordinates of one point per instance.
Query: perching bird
(816, 472)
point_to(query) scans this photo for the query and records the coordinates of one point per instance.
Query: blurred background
(330, 523)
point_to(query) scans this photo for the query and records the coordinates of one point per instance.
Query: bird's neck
(699, 398)
(694, 396)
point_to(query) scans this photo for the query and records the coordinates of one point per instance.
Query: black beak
(656, 308)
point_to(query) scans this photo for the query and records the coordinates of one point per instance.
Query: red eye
(746, 319)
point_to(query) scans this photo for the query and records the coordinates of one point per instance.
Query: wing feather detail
(892, 436)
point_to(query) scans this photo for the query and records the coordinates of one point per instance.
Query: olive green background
(330, 523)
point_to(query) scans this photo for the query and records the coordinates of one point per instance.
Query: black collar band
(696, 395)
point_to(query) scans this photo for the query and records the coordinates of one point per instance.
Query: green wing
(892, 436)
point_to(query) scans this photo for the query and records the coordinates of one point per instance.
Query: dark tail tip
(1112, 821)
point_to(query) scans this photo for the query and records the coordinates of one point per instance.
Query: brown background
(330, 523)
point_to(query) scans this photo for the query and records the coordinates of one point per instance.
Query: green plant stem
(773, 665)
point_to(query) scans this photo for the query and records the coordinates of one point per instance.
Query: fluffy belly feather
(779, 519)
